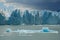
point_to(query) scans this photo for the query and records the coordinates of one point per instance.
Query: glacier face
(34, 17)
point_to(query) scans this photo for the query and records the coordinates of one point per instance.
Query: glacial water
(33, 36)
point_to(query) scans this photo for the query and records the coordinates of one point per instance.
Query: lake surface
(33, 36)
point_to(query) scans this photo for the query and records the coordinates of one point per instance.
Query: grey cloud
(30, 1)
(39, 4)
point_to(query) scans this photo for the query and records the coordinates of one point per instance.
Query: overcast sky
(30, 4)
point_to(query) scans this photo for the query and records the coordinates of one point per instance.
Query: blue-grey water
(33, 36)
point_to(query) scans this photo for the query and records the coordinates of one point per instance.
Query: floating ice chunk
(45, 29)
(8, 30)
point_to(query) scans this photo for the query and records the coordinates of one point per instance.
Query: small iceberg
(8, 30)
(47, 30)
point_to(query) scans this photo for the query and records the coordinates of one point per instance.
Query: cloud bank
(33, 4)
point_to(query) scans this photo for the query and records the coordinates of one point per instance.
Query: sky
(10, 5)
